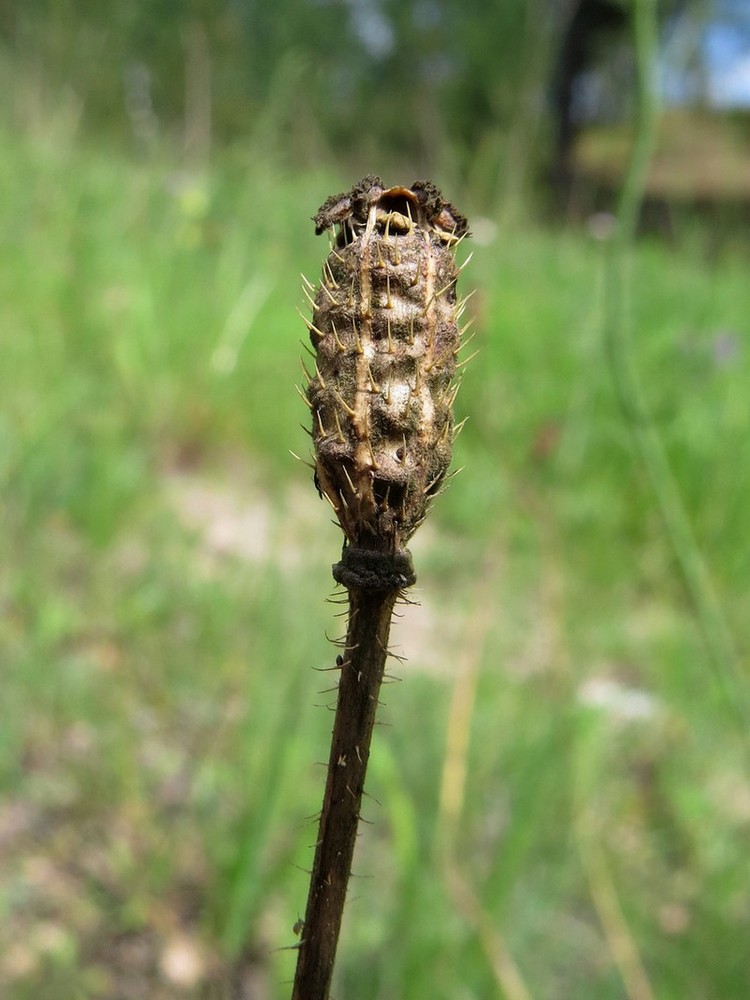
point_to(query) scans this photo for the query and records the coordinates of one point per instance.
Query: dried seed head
(385, 334)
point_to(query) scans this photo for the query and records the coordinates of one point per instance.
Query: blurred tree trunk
(590, 26)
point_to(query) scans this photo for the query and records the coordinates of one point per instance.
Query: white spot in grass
(601, 225)
(229, 522)
(484, 231)
(181, 962)
(623, 703)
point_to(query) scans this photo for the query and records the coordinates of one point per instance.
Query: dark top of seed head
(356, 204)
(436, 206)
(335, 209)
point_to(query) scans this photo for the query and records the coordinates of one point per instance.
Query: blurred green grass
(163, 574)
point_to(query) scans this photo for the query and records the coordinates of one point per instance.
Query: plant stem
(361, 676)
(386, 335)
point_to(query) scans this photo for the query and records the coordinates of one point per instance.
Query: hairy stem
(359, 686)
(385, 336)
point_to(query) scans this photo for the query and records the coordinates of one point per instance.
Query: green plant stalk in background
(643, 430)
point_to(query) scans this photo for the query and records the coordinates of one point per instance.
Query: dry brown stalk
(386, 334)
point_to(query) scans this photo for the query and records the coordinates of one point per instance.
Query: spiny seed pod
(386, 335)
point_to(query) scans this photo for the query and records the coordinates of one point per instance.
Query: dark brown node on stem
(368, 570)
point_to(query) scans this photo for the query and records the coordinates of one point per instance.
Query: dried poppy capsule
(385, 332)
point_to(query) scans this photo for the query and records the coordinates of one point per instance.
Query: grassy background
(562, 802)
